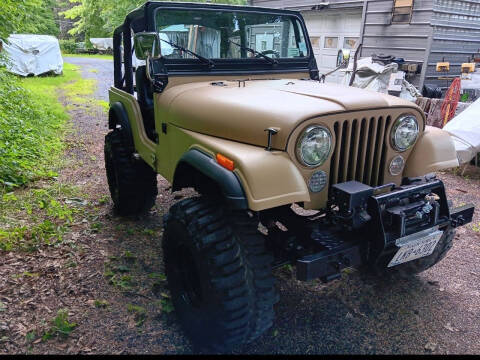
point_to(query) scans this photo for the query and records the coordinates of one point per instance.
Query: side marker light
(225, 162)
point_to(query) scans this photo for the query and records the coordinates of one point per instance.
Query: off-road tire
(413, 267)
(219, 274)
(132, 183)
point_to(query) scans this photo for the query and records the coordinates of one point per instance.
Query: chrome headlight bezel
(299, 144)
(398, 123)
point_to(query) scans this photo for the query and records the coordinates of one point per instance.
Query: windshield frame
(231, 65)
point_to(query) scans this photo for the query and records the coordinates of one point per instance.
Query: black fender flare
(117, 115)
(226, 180)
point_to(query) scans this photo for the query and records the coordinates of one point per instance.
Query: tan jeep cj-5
(227, 100)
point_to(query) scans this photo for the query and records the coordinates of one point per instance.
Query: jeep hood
(242, 110)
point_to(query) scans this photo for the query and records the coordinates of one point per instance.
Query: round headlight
(314, 146)
(404, 132)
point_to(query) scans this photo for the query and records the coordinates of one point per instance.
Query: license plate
(416, 246)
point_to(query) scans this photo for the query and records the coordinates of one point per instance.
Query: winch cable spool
(450, 102)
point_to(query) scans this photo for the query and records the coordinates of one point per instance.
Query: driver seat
(145, 100)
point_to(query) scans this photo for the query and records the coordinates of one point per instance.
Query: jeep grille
(360, 150)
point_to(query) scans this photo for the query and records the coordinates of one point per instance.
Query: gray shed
(420, 31)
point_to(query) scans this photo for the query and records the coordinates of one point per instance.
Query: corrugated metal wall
(456, 35)
(408, 41)
(438, 29)
(303, 4)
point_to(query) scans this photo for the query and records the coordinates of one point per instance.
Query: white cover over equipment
(465, 131)
(102, 43)
(33, 54)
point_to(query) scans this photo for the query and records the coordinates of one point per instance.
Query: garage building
(421, 32)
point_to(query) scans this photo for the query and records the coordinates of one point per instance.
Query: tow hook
(461, 215)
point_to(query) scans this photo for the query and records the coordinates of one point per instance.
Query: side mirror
(147, 44)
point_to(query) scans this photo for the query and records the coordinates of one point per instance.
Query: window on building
(315, 40)
(350, 42)
(402, 11)
(331, 42)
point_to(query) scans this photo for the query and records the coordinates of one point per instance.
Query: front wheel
(219, 274)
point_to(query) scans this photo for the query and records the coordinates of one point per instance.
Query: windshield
(218, 34)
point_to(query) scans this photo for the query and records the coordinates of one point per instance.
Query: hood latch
(271, 132)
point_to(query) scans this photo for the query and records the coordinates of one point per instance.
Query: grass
(33, 124)
(49, 215)
(92, 56)
(101, 303)
(116, 274)
(476, 227)
(140, 313)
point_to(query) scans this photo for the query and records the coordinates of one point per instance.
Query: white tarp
(102, 43)
(33, 54)
(373, 76)
(465, 131)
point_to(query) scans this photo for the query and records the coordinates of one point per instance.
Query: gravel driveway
(98, 69)
(436, 312)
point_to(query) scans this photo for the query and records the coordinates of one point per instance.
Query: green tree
(27, 16)
(114, 11)
(87, 19)
(99, 18)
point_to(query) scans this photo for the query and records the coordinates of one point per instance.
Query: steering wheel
(275, 53)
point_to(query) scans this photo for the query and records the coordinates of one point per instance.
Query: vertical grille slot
(383, 159)
(378, 151)
(372, 134)
(335, 158)
(345, 149)
(363, 150)
(360, 150)
(352, 166)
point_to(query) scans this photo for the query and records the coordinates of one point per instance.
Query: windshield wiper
(255, 52)
(210, 63)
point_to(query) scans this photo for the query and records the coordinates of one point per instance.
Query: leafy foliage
(68, 46)
(29, 133)
(32, 125)
(60, 326)
(27, 16)
(99, 18)
(88, 22)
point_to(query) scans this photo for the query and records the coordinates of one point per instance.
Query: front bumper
(366, 223)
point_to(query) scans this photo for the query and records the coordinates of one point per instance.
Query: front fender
(434, 151)
(226, 180)
(268, 178)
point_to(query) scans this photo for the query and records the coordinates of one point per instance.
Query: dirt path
(109, 276)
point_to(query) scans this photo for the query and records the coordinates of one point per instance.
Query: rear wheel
(219, 274)
(132, 183)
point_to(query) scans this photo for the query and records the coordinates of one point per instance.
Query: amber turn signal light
(225, 162)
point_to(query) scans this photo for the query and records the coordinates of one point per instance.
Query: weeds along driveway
(108, 275)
